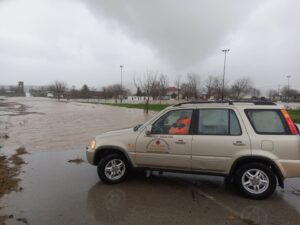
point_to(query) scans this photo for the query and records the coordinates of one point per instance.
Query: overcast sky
(85, 41)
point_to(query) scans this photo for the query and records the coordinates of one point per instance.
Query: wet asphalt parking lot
(55, 191)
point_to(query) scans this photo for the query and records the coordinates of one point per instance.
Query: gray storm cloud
(181, 32)
(85, 41)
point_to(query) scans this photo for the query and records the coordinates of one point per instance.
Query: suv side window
(218, 122)
(176, 122)
(266, 121)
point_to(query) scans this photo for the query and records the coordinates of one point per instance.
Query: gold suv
(254, 144)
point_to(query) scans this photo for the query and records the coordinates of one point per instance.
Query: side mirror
(148, 130)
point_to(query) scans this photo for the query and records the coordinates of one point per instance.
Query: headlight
(92, 144)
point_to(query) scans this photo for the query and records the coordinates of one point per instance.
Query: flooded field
(45, 124)
(55, 190)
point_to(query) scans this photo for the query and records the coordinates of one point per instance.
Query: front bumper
(90, 155)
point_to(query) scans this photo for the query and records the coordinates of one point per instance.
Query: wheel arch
(260, 159)
(103, 151)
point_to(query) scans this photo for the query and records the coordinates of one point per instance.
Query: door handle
(239, 143)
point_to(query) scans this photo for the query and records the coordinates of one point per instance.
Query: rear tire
(255, 180)
(113, 169)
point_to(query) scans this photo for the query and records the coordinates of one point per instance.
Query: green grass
(295, 115)
(152, 107)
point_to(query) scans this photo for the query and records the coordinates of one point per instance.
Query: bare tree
(240, 88)
(116, 91)
(155, 90)
(190, 89)
(177, 83)
(290, 93)
(213, 86)
(147, 85)
(193, 83)
(255, 93)
(58, 89)
(186, 91)
(73, 93)
(272, 93)
(163, 84)
(139, 93)
(209, 86)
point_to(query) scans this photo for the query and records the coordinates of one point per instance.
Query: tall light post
(121, 67)
(288, 90)
(223, 81)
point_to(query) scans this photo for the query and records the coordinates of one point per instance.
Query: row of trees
(285, 93)
(155, 86)
(151, 85)
(11, 91)
(59, 89)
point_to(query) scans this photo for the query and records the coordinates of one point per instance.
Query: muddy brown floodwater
(56, 192)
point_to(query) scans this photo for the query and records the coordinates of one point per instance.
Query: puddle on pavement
(55, 191)
(58, 192)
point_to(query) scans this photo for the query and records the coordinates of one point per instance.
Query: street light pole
(223, 81)
(121, 66)
(288, 91)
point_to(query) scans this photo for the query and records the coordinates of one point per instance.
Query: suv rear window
(266, 121)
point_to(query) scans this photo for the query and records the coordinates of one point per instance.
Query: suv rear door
(271, 135)
(219, 138)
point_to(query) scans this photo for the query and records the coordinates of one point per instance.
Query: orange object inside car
(182, 126)
(185, 120)
(177, 130)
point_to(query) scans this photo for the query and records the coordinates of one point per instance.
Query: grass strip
(152, 107)
(295, 115)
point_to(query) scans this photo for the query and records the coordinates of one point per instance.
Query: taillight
(289, 122)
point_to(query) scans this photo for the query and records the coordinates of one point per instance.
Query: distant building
(172, 92)
(13, 90)
(50, 95)
(21, 86)
(20, 89)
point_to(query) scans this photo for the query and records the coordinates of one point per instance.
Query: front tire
(113, 169)
(256, 180)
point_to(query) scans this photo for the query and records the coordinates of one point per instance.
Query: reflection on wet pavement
(57, 192)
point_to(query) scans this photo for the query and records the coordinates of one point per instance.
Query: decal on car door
(158, 145)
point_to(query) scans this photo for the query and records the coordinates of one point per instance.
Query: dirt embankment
(10, 168)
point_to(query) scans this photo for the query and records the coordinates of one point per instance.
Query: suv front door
(169, 144)
(219, 138)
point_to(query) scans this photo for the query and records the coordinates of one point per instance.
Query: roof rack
(203, 102)
(229, 102)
